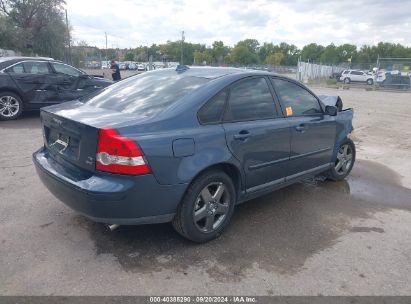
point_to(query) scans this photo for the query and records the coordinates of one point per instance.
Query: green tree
(347, 51)
(312, 52)
(266, 50)
(242, 55)
(329, 55)
(203, 58)
(129, 56)
(251, 44)
(275, 59)
(37, 25)
(219, 51)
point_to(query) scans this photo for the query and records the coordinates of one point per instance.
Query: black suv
(29, 83)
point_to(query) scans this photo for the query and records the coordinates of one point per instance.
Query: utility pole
(105, 33)
(182, 42)
(69, 42)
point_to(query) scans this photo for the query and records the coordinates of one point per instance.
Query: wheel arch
(14, 91)
(228, 168)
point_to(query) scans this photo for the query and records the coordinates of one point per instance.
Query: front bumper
(109, 198)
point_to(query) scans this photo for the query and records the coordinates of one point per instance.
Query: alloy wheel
(344, 159)
(9, 106)
(211, 207)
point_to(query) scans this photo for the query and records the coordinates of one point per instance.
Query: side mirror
(84, 76)
(331, 110)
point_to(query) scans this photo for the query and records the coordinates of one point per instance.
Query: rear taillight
(118, 154)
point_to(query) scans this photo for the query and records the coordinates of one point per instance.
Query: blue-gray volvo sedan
(186, 145)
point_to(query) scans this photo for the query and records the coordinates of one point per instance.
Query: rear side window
(18, 69)
(296, 100)
(32, 67)
(250, 99)
(357, 73)
(147, 93)
(213, 110)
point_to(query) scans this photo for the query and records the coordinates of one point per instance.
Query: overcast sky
(130, 23)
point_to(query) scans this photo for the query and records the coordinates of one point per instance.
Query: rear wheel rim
(211, 207)
(344, 159)
(9, 106)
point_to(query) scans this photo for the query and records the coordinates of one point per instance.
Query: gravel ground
(315, 237)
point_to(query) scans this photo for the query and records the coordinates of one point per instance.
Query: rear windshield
(147, 93)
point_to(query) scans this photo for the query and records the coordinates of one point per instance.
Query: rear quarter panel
(170, 168)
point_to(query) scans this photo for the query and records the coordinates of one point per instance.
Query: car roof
(7, 61)
(210, 72)
(16, 58)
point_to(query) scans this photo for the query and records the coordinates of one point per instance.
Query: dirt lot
(316, 237)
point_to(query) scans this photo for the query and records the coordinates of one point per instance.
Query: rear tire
(206, 208)
(344, 161)
(11, 106)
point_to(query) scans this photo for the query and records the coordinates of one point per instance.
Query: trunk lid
(71, 131)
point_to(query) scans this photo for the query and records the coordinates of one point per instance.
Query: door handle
(301, 128)
(242, 135)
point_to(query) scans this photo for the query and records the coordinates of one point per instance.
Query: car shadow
(28, 120)
(277, 232)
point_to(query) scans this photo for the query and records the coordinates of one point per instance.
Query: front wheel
(344, 161)
(206, 208)
(347, 80)
(11, 106)
(370, 81)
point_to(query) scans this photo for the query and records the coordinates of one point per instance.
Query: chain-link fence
(309, 72)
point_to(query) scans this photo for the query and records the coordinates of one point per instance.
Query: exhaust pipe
(113, 227)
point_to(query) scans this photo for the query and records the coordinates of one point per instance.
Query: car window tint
(212, 111)
(36, 67)
(250, 99)
(66, 69)
(356, 73)
(18, 68)
(147, 93)
(296, 100)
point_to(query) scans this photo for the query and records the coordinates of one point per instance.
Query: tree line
(37, 27)
(251, 52)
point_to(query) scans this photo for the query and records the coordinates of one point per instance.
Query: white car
(348, 76)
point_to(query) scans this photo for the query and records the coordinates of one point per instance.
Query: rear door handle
(242, 135)
(301, 128)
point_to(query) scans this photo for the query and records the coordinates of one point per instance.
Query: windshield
(147, 93)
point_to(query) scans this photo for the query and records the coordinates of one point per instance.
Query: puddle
(276, 232)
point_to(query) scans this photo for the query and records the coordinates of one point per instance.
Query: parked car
(29, 83)
(187, 145)
(396, 81)
(141, 67)
(132, 66)
(348, 76)
(105, 64)
(336, 75)
(122, 66)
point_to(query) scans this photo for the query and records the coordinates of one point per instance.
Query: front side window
(66, 69)
(213, 110)
(250, 99)
(33, 67)
(296, 100)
